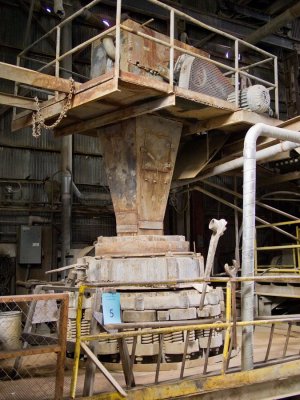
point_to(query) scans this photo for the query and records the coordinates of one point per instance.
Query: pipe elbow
(109, 47)
(254, 132)
(218, 226)
(251, 138)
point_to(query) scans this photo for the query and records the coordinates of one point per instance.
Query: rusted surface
(140, 244)
(118, 115)
(203, 99)
(5, 355)
(231, 121)
(145, 269)
(140, 55)
(119, 146)
(53, 108)
(139, 157)
(143, 76)
(37, 79)
(195, 154)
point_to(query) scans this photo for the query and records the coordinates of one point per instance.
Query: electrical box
(30, 245)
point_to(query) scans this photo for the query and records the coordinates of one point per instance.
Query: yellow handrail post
(228, 329)
(77, 343)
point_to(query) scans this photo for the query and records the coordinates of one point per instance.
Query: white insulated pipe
(249, 197)
(239, 162)
(108, 44)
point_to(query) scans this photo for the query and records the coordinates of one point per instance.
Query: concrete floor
(42, 368)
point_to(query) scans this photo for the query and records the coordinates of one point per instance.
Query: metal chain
(38, 121)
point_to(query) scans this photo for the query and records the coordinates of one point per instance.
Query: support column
(66, 159)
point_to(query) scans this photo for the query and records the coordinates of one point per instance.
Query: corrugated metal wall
(32, 160)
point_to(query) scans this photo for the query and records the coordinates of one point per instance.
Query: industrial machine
(144, 57)
(139, 158)
(140, 155)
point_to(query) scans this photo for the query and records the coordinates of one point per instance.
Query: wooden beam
(17, 101)
(278, 178)
(33, 78)
(228, 120)
(52, 108)
(104, 371)
(118, 115)
(52, 348)
(292, 124)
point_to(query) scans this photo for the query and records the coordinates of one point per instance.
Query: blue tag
(111, 308)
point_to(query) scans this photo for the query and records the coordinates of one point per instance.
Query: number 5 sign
(111, 308)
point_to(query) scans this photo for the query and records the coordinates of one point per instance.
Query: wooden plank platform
(104, 100)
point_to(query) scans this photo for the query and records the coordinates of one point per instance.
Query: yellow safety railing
(229, 325)
(294, 247)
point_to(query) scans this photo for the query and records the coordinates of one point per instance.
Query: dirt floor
(38, 372)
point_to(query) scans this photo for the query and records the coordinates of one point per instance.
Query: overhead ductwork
(59, 8)
(277, 22)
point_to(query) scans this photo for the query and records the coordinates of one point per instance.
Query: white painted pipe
(238, 162)
(108, 44)
(249, 197)
(90, 196)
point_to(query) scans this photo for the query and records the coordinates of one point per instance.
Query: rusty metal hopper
(139, 159)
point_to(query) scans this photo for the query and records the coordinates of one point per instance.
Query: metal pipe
(275, 23)
(248, 250)
(66, 161)
(218, 228)
(77, 48)
(109, 47)
(61, 24)
(236, 74)
(90, 196)
(57, 51)
(90, 17)
(297, 221)
(66, 213)
(62, 69)
(280, 192)
(238, 162)
(90, 286)
(276, 87)
(227, 203)
(280, 199)
(236, 228)
(171, 53)
(29, 21)
(107, 41)
(208, 27)
(247, 67)
(118, 42)
(174, 329)
(37, 219)
(259, 203)
(256, 78)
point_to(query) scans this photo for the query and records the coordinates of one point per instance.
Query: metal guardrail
(237, 71)
(295, 249)
(229, 326)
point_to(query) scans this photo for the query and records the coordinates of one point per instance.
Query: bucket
(10, 330)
